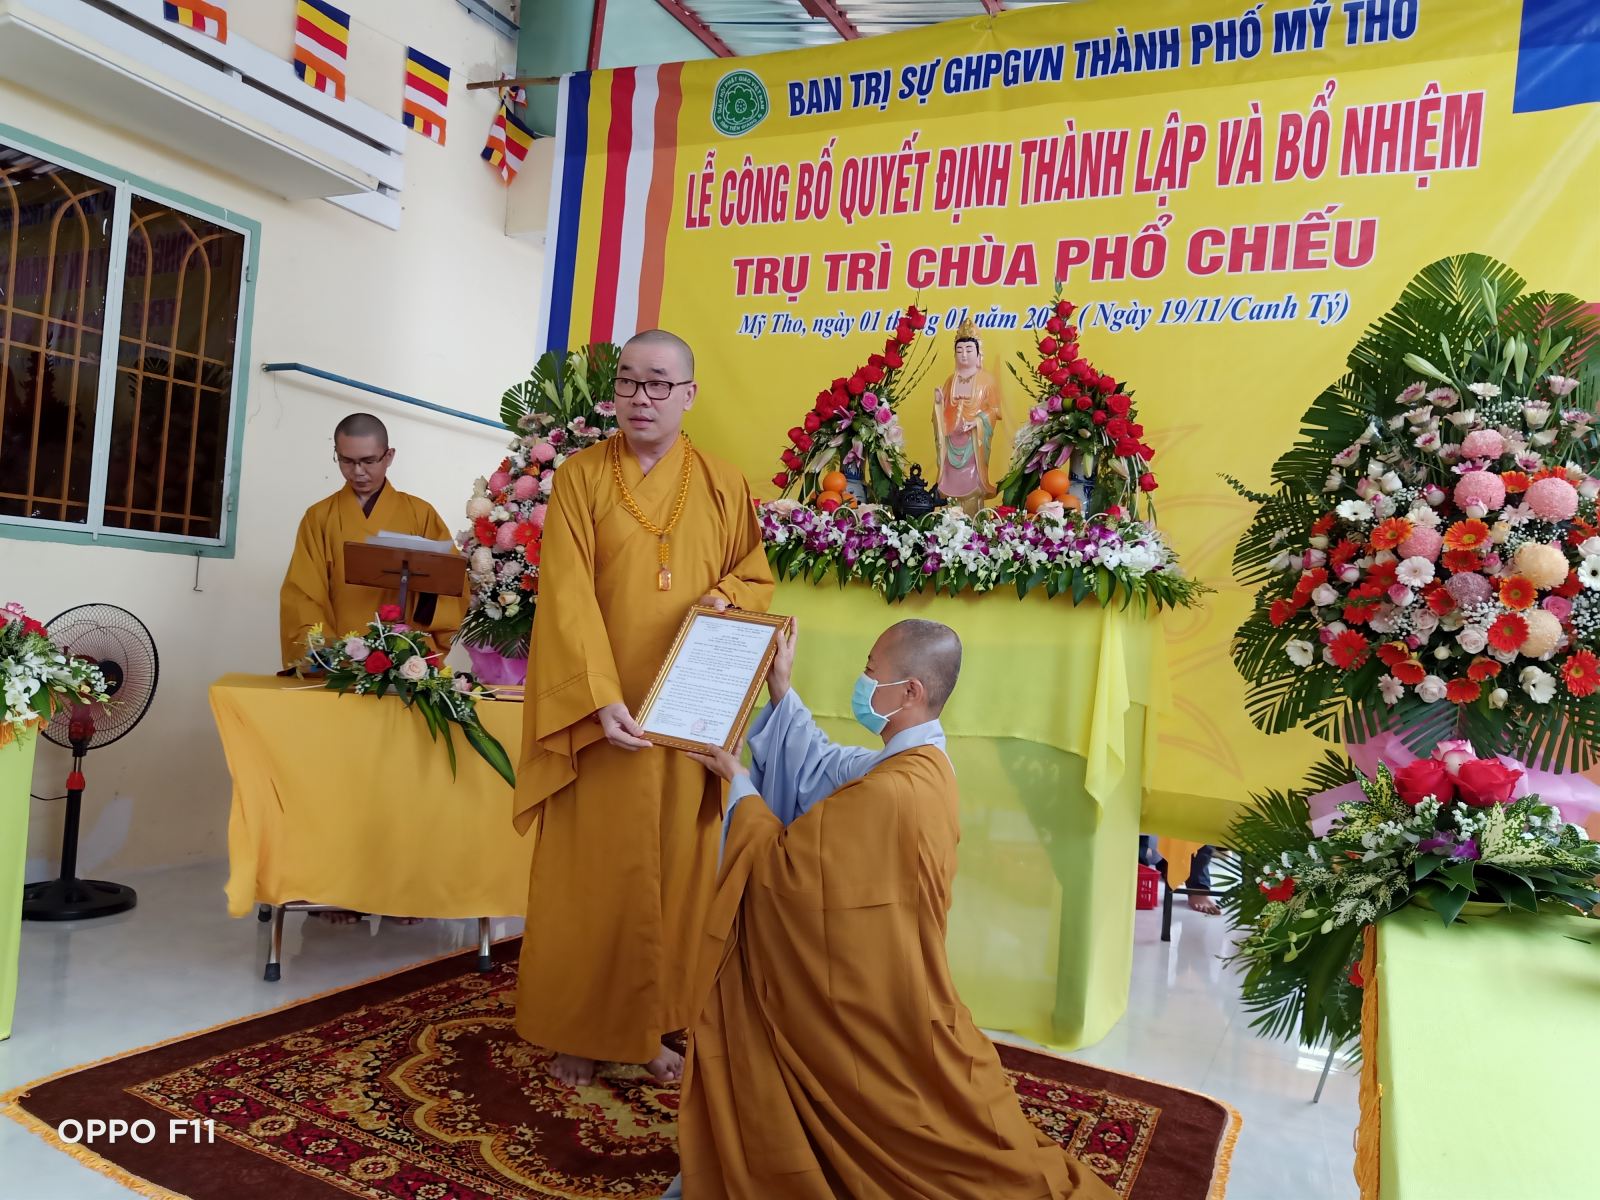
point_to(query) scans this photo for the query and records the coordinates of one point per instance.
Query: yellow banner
(1229, 199)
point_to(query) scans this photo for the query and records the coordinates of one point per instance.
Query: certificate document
(707, 688)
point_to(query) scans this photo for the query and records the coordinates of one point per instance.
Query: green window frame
(94, 531)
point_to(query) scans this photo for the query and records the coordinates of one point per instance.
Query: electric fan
(117, 642)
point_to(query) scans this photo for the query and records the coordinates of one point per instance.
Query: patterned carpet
(416, 1087)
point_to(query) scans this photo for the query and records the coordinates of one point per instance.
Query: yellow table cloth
(1048, 730)
(345, 800)
(1486, 1035)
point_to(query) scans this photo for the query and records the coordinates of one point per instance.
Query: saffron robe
(314, 591)
(833, 1058)
(626, 858)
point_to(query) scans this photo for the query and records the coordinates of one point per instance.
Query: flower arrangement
(564, 406)
(1061, 551)
(390, 656)
(36, 677)
(1079, 416)
(1429, 562)
(853, 425)
(1443, 831)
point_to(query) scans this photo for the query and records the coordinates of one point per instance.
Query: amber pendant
(664, 580)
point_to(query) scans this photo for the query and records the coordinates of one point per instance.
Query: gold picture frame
(665, 680)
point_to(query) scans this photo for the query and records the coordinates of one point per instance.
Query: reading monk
(833, 1059)
(314, 589)
(640, 528)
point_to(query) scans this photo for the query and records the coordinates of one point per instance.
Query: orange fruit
(834, 481)
(1071, 503)
(1037, 500)
(1057, 482)
(828, 502)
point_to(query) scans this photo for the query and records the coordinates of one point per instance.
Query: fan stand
(69, 898)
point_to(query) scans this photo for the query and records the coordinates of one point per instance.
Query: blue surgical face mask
(861, 702)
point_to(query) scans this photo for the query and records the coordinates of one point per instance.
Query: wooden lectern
(427, 572)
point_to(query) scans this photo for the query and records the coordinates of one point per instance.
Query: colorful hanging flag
(515, 93)
(427, 93)
(321, 45)
(209, 19)
(508, 144)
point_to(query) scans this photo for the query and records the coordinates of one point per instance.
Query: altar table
(1048, 729)
(344, 800)
(1480, 1043)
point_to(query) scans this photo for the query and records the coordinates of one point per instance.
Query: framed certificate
(707, 688)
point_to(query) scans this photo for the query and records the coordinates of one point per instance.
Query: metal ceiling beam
(686, 17)
(829, 12)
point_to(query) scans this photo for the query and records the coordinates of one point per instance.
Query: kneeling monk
(833, 1058)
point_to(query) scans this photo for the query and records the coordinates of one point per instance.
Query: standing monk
(833, 1059)
(639, 528)
(314, 591)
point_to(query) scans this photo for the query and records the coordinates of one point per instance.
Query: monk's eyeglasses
(655, 389)
(350, 464)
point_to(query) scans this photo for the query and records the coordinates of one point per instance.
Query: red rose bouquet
(392, 657)
(1441, 831)
(1083, 425)
(853, 427)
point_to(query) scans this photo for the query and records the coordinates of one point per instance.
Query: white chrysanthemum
(1301, 653)
(1354, 510)
(1484, 391)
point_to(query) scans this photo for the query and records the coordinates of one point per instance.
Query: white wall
(442, 309)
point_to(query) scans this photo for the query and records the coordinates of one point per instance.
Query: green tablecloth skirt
(1488, 1043)
(16, 777)
(1049, 728)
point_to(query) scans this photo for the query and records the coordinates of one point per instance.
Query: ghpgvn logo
(740, 103)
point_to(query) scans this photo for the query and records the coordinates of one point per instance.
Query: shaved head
(362, 425)
(660, 337)
(926, 651)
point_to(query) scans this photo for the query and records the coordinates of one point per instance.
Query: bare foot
(1206, 905)
(340, 916)
(572, 1070)
(666, 1067)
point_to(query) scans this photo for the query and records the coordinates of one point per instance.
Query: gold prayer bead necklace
(662, 532)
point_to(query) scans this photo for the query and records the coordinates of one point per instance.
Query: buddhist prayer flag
(508, 144)
(321, 45)
(209, 19)
(427, 93)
